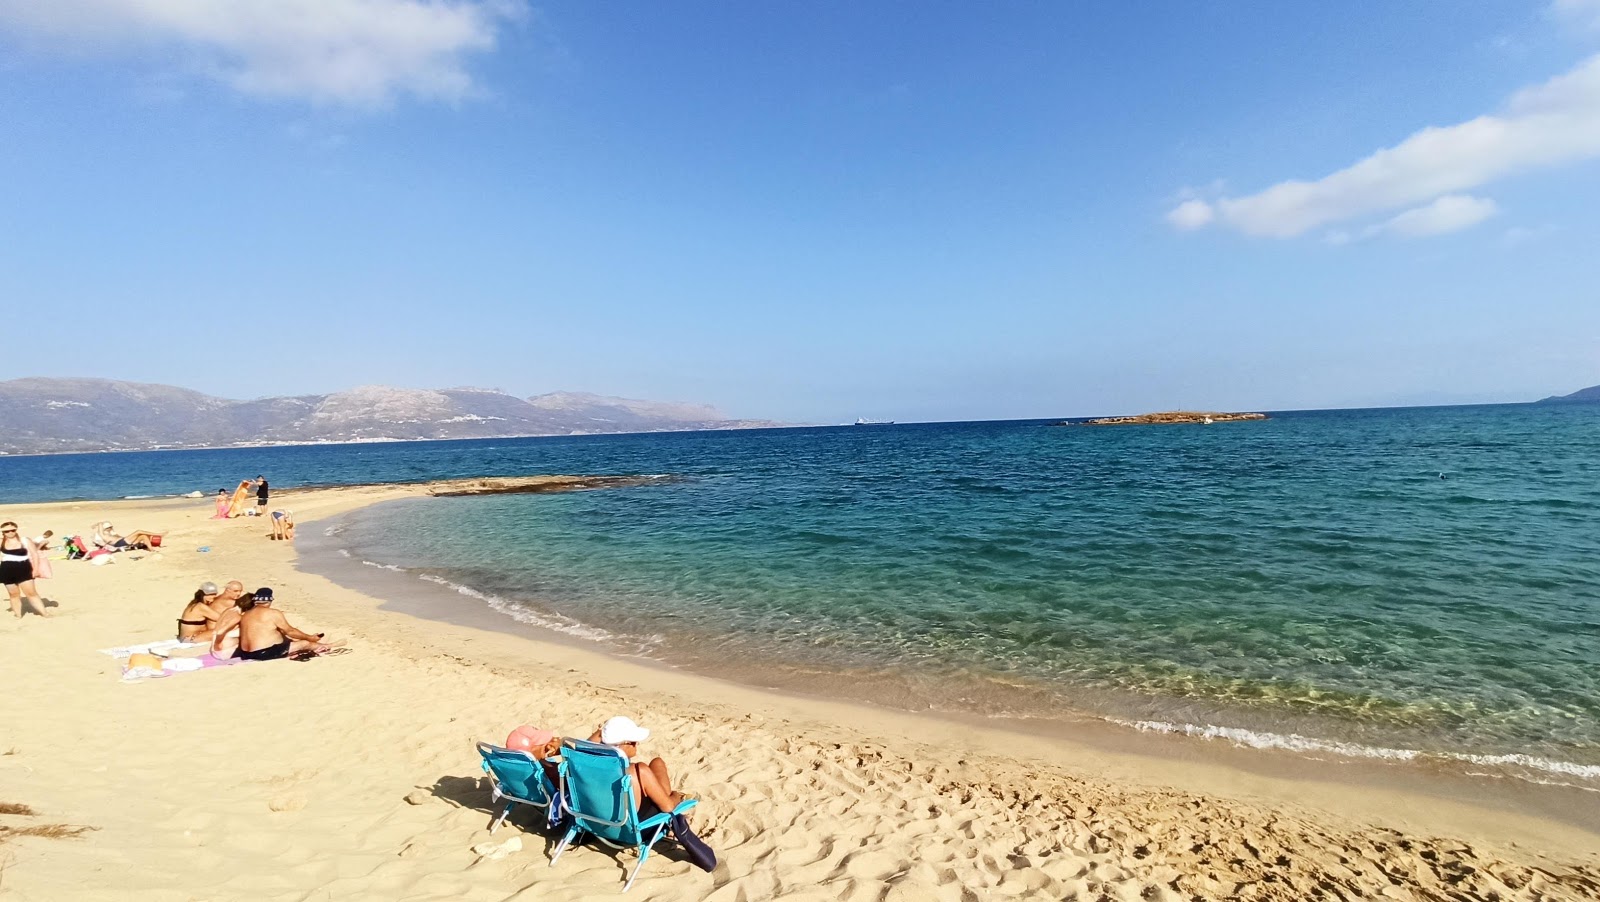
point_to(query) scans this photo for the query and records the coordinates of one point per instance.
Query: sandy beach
(355, 776)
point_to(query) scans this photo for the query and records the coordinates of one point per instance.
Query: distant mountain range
(49, 415)
(1592, 393)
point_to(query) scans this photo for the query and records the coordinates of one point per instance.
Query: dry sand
(355, 777)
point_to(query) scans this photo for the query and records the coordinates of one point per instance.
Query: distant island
(1168, 416)
(1592, 393)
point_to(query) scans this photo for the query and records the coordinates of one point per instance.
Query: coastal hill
(1592, 393)
(46, 415)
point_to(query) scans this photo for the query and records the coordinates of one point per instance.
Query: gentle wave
(553, 622)
(1293, 742)
(1566, 768)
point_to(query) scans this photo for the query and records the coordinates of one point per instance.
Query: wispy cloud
(1550, 124)
(1581, 14)
(343, 52)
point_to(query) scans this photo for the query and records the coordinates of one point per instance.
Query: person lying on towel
(105, 536)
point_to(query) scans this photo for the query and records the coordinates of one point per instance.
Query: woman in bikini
(17, 558)
(197, 620)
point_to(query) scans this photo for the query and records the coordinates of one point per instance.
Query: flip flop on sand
(329, 652)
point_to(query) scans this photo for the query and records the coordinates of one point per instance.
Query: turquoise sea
(1402, 583)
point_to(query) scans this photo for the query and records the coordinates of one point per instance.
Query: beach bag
(75, 548)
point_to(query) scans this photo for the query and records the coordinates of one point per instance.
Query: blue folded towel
(700, 854)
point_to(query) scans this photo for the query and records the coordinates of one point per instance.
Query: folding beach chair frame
(586, 824)
(489, 752)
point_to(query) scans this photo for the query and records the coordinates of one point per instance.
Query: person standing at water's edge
(19, 558)
(261, 495)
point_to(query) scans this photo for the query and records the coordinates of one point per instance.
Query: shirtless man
(266, 635)
(228, 598)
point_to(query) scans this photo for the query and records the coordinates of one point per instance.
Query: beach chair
(597, 794)
(519, 778)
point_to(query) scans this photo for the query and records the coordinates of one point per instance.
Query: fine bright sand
(355, 777)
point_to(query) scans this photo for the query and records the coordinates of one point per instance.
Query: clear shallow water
(1307, 582)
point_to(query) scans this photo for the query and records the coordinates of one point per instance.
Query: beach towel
(241, 497)
(41, 564)
(146, 669)
(161, 647)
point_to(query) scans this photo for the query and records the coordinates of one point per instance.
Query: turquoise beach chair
(597, 793)
(519, 778)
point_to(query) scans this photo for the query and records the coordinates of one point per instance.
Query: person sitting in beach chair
(595, 774)
(267, 635)
(652, 784)
(104, 536)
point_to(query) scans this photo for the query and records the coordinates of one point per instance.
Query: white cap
(618, 730)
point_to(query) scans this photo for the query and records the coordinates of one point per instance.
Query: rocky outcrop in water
(1170, 416)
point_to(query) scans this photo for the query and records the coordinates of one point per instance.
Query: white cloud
(350, 52)
(1450, 213)
(1547, 125)
(1191, 214)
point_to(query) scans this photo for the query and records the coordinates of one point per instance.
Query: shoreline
(1439, 775)
(867, 800)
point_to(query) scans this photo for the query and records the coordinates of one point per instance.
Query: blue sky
(808, 212)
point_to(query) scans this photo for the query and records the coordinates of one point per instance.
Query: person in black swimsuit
(16, 570)
(198, 619)
(261, 495)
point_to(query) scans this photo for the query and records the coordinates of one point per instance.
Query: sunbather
(266, 635)
(104, 536)
(228, 598)
(225, 635)
(652, 785)
(198, 619)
